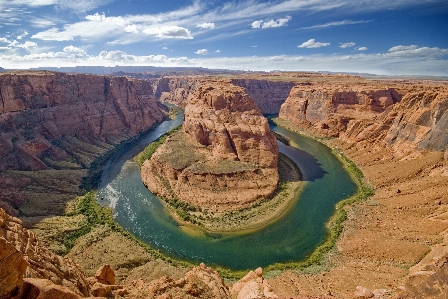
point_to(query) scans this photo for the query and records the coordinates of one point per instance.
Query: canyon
(393, 245)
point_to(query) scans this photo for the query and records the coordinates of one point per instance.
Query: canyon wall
(63, 121)
(224, 158)
(403, 117)
(268, 95)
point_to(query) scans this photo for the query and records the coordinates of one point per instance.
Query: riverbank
(384, 235)
(245, 220)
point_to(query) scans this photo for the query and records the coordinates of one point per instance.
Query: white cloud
(218, 51)
(27, 45)
(23, 35)
(206, 25)
(42, 23)
(96, 17)
(165, 48)
(337, 23)
(362, 48)
(346, 45)
(169, 32)
(4, 40)
(313, 44)
(414, 51)
(271, 23)
(279, 58)
(131, 29)
(257, 24)
(202, 52)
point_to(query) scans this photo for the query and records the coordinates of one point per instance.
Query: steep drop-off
(225, 157)
(63, 121)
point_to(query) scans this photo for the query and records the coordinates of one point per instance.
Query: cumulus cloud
(206, 25)
(165, 48)
(218, 51)
(169, 32)
(362, 48)
(27, 45)
(338, 23)
(271, 23)
(346, 45)
(201, 52)
(311, 43)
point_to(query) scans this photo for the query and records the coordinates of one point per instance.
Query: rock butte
(393, 246)
(225, 157)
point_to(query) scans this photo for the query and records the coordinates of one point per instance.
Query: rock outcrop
(200, 282)
(225, 157)
(23, 246)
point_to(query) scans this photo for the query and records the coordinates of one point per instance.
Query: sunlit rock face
(225, 157)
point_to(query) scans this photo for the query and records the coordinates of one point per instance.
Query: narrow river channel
(291, 238)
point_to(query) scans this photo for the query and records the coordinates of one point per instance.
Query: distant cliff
(403, 117)
(268, 95)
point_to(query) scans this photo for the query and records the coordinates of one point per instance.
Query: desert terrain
(56, 128)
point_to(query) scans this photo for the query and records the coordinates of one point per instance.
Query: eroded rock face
(200, 282)
(41, 262)
(39, 108)
(268, 95)
(225, 158)
(44, 116)
(330, 108)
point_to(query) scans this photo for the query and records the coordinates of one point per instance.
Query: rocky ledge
(224, 158)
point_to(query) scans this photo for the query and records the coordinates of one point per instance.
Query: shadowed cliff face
(64, 121)
(268, 95)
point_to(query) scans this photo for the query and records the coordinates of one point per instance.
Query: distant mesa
(225, 156)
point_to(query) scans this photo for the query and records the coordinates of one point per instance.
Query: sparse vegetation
(147, 153)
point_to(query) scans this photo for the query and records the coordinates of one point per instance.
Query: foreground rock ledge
(225, 157)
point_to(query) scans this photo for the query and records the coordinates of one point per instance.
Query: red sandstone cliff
(46, 116)
(225, 158)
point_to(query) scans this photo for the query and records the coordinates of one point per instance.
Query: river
(291, 238)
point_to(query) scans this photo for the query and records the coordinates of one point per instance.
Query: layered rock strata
(63, 121)
(268, 95)
(225, 157)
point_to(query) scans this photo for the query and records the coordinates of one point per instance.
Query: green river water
(291, 238)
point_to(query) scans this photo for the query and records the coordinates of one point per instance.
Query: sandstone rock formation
(200, 282)
(41, 262)
(268, 95)
(252, 286)
(225, 157)
(63, 121)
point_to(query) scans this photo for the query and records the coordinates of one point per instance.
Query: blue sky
(400, 37)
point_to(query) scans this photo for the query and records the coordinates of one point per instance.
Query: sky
(384, 37)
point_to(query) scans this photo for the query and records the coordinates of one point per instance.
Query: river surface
(291, 238)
